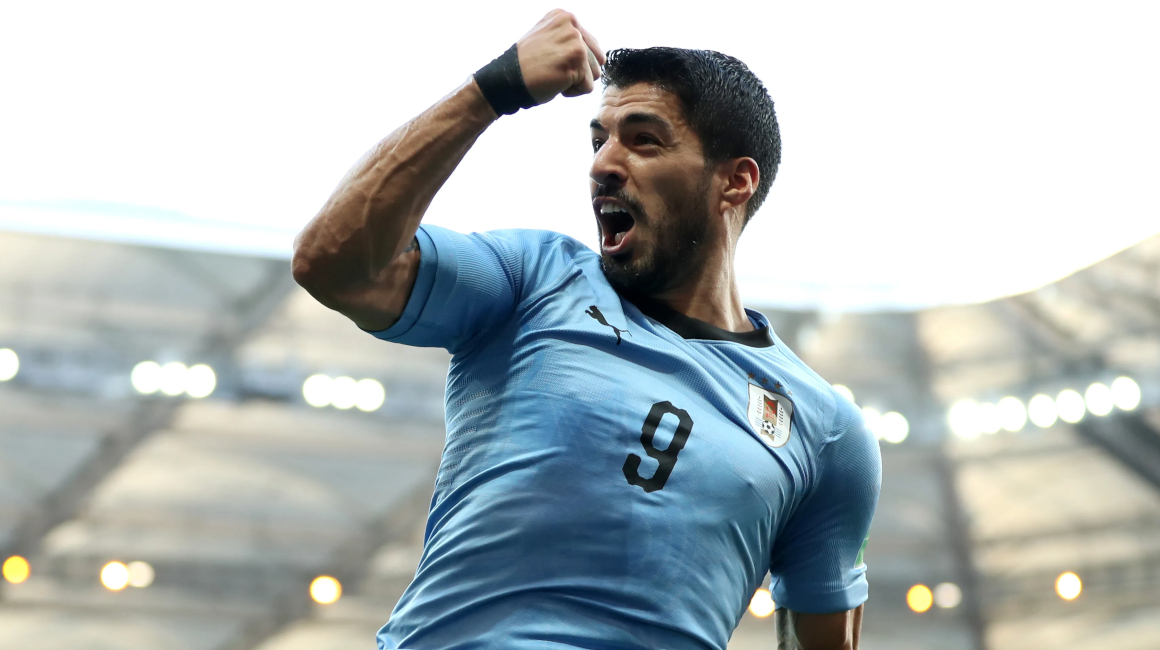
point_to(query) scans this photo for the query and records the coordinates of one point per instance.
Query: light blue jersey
(618, 475)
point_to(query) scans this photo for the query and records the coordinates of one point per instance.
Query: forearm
(838, 631)
(375, 211)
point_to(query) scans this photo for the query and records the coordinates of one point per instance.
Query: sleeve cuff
(823, 603)
(424, 281)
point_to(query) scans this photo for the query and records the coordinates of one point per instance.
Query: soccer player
(629, 450)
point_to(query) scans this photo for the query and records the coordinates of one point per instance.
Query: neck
(711, 294)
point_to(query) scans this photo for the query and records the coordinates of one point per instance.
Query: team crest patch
(770, 415)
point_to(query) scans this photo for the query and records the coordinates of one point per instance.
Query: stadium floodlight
(1012, 414)
(141, 574)
(894, 427)
(872, 418)
(1099, 400)
(200, 381)
(919, 598)
(9, 364)
(325, 590)
(844, 392)
(146, 377)
(344, 393)
(1070, 406)
(369, 395)
(988, 418)
(173, 377)
(761, 605)
(16, 569)
(318, 390)
(947, 595)
(1042, 412)
(1126, 393)
(1068, 586)
(963, 419)
(115, 576)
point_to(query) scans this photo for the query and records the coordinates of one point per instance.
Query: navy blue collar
(688, 327)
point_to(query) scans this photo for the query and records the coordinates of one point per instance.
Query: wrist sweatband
(503, 85)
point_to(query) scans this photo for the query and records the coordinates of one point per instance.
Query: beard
(676, 252)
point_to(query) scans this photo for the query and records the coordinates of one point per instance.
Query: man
(629, 451)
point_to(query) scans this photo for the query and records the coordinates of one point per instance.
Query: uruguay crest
(770, 415)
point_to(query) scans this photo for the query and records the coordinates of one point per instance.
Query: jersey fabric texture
(605, 482)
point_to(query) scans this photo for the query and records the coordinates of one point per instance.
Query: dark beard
(676, 254)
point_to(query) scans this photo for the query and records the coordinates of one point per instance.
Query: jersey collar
(688, 327)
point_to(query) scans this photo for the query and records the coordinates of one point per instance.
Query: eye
(596, 143)
(644, 138)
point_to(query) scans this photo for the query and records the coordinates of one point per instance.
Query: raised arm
(356, 256)
(840, 631)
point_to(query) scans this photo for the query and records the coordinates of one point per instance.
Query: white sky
(933, 152)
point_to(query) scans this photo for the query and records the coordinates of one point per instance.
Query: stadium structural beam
(1128, 438)
(954, 512)
(349, 564)
(150, 415)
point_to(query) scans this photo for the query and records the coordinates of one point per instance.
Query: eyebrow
(638, 118)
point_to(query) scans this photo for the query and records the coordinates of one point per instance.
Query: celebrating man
(629, 450)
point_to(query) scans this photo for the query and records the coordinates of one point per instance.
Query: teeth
(608, 208)
(619, 237)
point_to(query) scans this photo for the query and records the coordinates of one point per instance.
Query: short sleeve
(466, 285)
(817, 565)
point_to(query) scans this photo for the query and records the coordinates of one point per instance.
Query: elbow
(313, 271)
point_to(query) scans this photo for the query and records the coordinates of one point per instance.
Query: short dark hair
(725, 104)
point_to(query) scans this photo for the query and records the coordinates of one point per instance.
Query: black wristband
(503, 85)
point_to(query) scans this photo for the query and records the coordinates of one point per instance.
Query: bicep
(461, 287)
(816, 561)
(379, 305)
(836, 631)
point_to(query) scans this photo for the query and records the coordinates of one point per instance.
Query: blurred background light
(919, 598)
(9, 364)
(761, 605)
(173, 377)
(325, 590)
(894, 427)
(1041, 411)
(200, 381)
(872, 417)
(115, 576)
(1099, 400)
(963, 419)
(1068, 586)
(1012, 414)
(16, 569)
(1126, 393)
(988, 417)
(844, 392)
(369, 395)
(140, 574)
(343, 393)
(947, 595)
(146, 377)
(318, 390)
(1070, 406)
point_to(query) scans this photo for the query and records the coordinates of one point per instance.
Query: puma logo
(594, 312)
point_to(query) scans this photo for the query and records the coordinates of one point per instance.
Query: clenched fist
(558, 56)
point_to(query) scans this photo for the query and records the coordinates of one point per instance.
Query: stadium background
(188, 442)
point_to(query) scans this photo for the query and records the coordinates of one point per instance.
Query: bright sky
(933, 152)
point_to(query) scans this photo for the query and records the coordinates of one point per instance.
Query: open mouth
(616, 226)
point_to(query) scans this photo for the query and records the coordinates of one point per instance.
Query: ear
(741, 177)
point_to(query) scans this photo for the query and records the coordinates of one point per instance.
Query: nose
(608, 165)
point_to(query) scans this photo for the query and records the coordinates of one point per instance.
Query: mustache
(604, 191)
